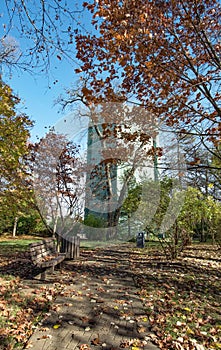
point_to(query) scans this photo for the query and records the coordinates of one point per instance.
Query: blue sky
(39, 92)
(38, 100)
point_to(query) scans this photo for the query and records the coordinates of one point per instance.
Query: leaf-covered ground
(181, 299)
(21, 308)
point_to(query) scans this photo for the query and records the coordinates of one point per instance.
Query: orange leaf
(96, 341)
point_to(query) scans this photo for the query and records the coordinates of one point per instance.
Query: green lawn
(15, 245)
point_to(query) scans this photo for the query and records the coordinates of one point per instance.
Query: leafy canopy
(166, 54)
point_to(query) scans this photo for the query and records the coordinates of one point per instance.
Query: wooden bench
(70, 246)
(44, 255)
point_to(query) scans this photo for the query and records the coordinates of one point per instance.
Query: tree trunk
(113, 219)
(176, 235)
(203, 237)
(129, 226)
(15, 227)
(55, 225)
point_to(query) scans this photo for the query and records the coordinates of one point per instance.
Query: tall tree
(58, 181)
(119, 138)
(166, 54)
(14, 134)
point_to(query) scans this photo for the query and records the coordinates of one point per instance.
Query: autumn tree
(161, 55)
(165, 55)
(119, 138)
(57, 181)
(14, 133)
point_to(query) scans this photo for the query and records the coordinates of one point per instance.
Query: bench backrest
(42, 248)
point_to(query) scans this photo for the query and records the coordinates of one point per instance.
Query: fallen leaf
(56, 326)
(141, 330)
(125, 344)
(96, 341)
(29, 345)
(44, 329)
(187, 309)
(45, 336)
(84, 347)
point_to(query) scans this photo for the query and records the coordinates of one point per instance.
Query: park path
(99, 307)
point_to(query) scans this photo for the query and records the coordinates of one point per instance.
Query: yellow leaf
(135, 348)
(145, 319)
(116, 307)
(56, 326)
(187, 309)
(189, 331)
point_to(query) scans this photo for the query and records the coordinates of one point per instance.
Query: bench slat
(40, 251)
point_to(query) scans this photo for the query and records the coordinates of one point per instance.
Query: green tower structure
(101, 179)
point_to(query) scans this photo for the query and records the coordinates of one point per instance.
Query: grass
(86, 244)
(15, 245)
(20, 244)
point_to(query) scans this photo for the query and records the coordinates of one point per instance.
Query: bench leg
(43, 275)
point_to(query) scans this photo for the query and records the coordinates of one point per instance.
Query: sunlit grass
(10, 246)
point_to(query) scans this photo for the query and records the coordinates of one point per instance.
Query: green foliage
(153, 203)
(92, 221)
(14, 134)
(165, 187)
(30, 224)
(132, 200)
(15, 194)
(199, 214)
